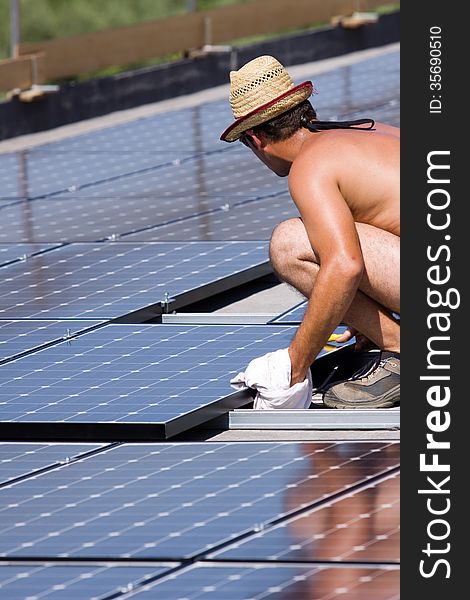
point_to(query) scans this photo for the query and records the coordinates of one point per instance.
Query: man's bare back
(365, 165)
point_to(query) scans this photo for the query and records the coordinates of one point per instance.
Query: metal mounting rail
(316, 418)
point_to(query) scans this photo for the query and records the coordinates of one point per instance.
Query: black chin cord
(324, 125)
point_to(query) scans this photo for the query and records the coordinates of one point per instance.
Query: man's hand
(362, 342)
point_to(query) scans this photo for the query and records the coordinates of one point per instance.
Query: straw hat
(259, 91)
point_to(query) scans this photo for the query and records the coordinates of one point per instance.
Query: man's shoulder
(316, 153)
(322, 145)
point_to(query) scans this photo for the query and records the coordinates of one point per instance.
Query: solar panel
(14, 252)
(131, 382)
(21, 459)
(171, 501)
(364, 86)
(21, 337)
(74, 582)
(48, 172)
(112, 152)
(275, 582)
(41, 171)
(12, 182)
(95, 219)
(185, 131)
(292, 316)
(245, 221)
(114, 175)
(363, 526)
(295, 315)
(112, 280)
(199, 179)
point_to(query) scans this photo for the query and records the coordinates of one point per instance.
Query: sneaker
(379, 388)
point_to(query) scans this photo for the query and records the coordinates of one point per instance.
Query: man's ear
(259, 140)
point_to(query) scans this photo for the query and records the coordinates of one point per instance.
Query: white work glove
(270, 376)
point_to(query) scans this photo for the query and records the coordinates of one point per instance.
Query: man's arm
(332, 233)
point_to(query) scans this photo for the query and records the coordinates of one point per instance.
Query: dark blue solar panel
(15, 252)
(247, 221)
(21, 459)
(19, 337)
(96, 219)
(275, 582)
(57, 172)
(126, 380)
(141, 175)
(111, 280)
(170, 501)
(74, 582)
(202, 180)
(363, 526)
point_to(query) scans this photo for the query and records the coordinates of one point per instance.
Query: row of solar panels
(130, 382)
(164, 140)
(237, 509)
(119, 182)
(201, 581)
(68, 374)
(22, 337)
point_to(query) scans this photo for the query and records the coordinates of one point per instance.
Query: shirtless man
(343, 253)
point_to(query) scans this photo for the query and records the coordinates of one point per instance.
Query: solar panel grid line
(16, 252)
(183, 531)
(195, 479)
(217, 179)
(42, 334)
(259, 582)
(84, 451)
(224, 209)
(375, 78)
(65, 274)
(94, 582)
(101, 219)
(128, 267)
(291, 315)
(297, 535)
(168, 358)
(54, 580)
(140, 171)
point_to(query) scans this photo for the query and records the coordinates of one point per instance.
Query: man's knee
(282, 246)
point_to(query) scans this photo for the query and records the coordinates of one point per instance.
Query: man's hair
(284, 126)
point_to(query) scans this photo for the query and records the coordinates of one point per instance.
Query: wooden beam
(121, 46)
(271, 16)
(21, 72)
(126, 45)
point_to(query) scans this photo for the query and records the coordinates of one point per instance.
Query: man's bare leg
(295, 263)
